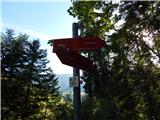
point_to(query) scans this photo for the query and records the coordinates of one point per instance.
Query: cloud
(32, 33)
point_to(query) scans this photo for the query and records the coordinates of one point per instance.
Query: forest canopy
(126, 82)
(30, 89)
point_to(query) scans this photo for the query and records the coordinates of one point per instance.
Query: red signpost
(67, 50)
(74, 59)
(78, 44)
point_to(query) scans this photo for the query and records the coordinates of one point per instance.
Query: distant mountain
(63, 81)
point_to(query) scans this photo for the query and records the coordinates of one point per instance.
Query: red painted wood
(74, 59)
(67, 50)
(78, 44)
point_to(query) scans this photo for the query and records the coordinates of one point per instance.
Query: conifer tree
(27, 83)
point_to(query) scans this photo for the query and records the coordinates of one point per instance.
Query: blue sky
(41, 19)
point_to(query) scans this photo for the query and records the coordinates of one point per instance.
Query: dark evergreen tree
(27, 83)
(12, 64)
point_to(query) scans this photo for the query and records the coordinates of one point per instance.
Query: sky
(40, 19)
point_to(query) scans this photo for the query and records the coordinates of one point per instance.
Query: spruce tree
(27, 83)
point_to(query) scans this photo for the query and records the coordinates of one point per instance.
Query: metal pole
(76, 90)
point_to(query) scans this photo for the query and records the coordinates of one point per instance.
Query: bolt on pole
(76, 90)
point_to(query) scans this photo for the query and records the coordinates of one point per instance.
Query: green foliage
(29, 87)
(125, 84)
(63, 111)
(92, 15)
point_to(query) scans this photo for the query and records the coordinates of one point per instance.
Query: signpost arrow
(74, 59)
(78, 43)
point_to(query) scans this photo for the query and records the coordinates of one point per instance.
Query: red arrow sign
(78, 44)
(74, 59)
